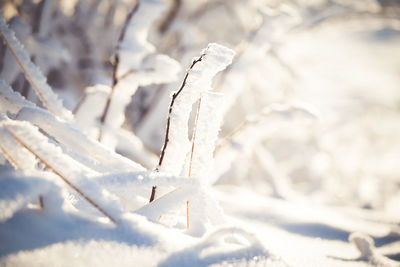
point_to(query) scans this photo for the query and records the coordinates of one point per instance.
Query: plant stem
(194, 137)
(153, 193)
(174, 96)
(88, 199)
(115, 70)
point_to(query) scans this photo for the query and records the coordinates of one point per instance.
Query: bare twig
(153, 193)
(41, 203)
(174, 96)
(194, 137)
(38, 15)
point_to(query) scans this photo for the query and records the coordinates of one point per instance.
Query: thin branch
(116, 65)
(10, 159)
(187, 214)
(171, 15)
(191, 157)
(41, 203)
(153, 193)
(174, 96)
(194, 137)
(32, 73)
(48, 166)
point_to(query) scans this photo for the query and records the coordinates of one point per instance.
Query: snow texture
(22, 32)
(17, 192)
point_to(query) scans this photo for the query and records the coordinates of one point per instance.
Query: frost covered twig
(95, 155)
(104, 160)
(174, 96)
(33, 74)
(194, 137)
(365, 244)
(50, 156)
(197, 80)
(116, 64)
(136, 64)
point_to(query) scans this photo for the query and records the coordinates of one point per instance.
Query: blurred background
(313, 94)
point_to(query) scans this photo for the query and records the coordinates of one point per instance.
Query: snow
(281, 150)
(17, 192)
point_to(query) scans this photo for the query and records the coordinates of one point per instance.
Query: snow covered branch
(197, 80)
(33, 74)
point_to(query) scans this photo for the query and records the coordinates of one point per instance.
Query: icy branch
(33, 74)
(197, 80)
(70, 171)
(66, 134)
(135, 65)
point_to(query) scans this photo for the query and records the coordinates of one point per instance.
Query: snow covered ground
(130, 136)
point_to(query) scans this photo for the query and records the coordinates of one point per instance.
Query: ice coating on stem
(17, 155)
(201, 159)
(72, 172)
(173, 199)
(133, 46)
(33, 74)
(212, 60)
(104, 159)
(89, 151)
(22, 33)
(136, 65)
